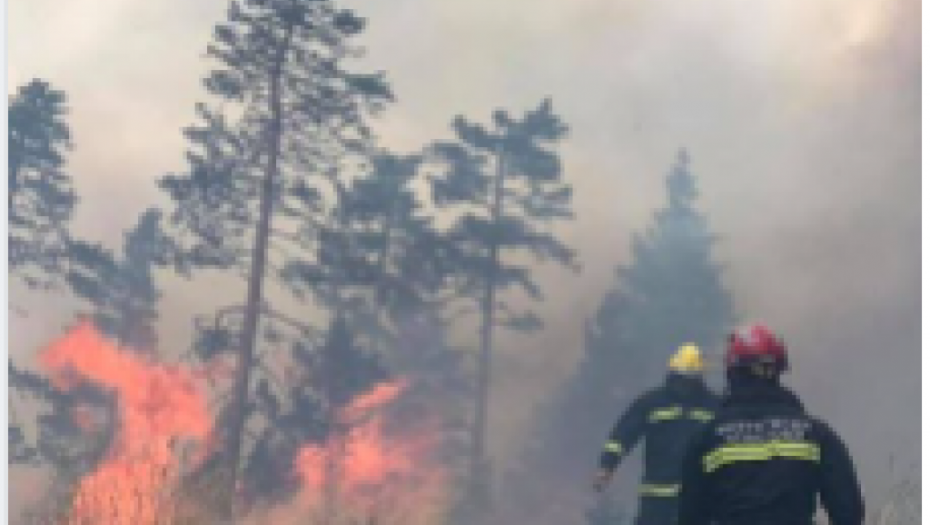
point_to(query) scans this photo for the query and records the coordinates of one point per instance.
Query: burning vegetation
(362, 269)
(157, 406)
(371, 467)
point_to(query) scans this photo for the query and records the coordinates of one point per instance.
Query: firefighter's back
(763, 460)
(760, 465)
(678, 410)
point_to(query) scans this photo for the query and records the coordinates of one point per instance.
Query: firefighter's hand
(601, 480)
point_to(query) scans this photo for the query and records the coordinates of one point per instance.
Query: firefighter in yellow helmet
(665, 418)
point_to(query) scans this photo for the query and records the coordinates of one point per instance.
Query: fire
(371, 469)
(157, 405)
(379, 464)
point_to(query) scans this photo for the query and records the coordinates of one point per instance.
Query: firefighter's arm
(839, 486)
(692, 499)
(625, 435)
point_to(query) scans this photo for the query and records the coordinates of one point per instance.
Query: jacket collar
(762, 393)
(685, 385)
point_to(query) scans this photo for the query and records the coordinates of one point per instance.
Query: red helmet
(756, 344)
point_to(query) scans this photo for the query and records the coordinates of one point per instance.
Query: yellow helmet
(687, 360)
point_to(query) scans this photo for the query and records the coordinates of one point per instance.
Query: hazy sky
(802, 118)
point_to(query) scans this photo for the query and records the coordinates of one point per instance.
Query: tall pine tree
(670, 293)
(505, 185)
(41, 197)
(291, 111)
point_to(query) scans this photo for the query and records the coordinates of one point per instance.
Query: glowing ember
(371, 469)
(157, 404)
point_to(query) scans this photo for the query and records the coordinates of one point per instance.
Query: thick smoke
(802, 119)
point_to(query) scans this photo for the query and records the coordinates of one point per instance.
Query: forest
(350, 382)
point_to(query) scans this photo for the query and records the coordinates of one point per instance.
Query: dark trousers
(657, 510)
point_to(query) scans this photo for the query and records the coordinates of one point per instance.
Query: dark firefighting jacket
(764, 461)
(665, 417)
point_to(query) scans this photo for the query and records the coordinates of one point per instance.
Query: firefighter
(665, 417)
(763, 460)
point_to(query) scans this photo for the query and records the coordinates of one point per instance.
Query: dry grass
(902, 504)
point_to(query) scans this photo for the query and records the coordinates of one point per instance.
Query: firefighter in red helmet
(763, 460)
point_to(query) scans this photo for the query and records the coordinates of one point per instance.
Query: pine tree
(376, 250)
(670, 293)
(382, 269)
(335, 372)
(291, 114)
(122, 290)
(505, 184)
(41, 198)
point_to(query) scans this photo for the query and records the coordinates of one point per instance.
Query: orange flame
(157, 404)
(371, 469)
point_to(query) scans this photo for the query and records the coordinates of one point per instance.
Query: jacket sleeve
(692, 508)
(839, 487)
(626, 433)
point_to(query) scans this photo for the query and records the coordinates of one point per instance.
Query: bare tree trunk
(253, 305)
(333, 471)
(382, 310)
(479, 477)
(13, 176)
(384, 253)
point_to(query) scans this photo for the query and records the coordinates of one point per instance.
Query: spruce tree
(670, 293)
